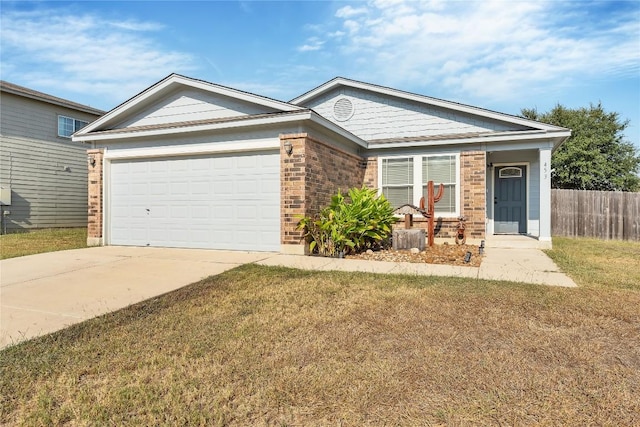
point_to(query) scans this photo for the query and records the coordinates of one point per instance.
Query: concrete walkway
(511, 264)
(43, 293)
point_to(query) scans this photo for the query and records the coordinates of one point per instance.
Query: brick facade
(473, 172)
(473, 200)
(313, 172)
(371, 172)
(96, 180)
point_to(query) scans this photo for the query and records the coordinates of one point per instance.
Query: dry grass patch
(40, 241)
(274, 346)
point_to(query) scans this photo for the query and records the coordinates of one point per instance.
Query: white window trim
(417, 179)
(74, 125)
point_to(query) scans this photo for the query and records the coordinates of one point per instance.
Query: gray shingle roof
(40, 96)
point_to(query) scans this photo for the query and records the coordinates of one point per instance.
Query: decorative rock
(414, 250)
(369, 252)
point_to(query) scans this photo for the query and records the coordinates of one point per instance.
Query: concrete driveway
(43, 293)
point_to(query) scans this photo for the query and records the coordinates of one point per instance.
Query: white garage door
(213, 202)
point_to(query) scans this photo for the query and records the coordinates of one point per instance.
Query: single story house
(191, 164)
(43, 173)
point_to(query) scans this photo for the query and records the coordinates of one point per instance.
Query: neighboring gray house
(43, 173)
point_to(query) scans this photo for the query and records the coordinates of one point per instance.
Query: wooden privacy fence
(599, 214)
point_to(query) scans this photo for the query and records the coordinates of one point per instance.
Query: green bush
(362, 222)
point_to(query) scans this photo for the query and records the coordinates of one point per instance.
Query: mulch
(438, 254)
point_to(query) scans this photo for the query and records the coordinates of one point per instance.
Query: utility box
(5, 196)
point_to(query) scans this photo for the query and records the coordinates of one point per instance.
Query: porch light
(91, 160)
(288, 147)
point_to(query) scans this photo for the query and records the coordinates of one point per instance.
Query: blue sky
(499, 55)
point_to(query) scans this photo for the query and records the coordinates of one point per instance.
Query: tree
(596, 156)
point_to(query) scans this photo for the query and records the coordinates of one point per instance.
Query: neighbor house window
(67, 126)
(403, 180)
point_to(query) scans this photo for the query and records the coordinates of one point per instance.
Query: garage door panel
(199, 212)
(200, 187)
(180, 213)
(217, 202)
(247, 186)
(269, 185)
(137, 234)
(223, 187)
(138, 189)
(247, 214)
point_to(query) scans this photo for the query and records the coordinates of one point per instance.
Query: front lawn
(276, 346)
(40, 241)
(598, 263)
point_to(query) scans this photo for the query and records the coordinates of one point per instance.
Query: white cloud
(313, 44)
(351, 26)
(348, 11)
(79, 53)
(136, 25)
(490, 49)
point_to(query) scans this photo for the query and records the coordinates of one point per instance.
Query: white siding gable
(377, 116)
(190, 105)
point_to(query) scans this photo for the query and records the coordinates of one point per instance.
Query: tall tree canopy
(596, 156)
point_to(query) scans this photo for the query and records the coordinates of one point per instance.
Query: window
(441, 170)
(511, 172)
(67, 126)
(397, 181)
(400, 176)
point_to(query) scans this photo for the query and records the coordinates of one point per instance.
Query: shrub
(362, 222)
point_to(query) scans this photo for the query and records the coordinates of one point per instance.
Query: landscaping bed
(438, 254)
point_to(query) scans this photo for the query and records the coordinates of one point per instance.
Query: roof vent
(342, 109)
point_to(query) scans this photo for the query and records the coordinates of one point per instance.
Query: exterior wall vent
(342, 109)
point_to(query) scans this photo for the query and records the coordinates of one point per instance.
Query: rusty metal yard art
(427, 212)
(431, 209)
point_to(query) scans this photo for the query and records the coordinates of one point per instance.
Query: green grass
(40, 241)
(598, 263)
(276, 346)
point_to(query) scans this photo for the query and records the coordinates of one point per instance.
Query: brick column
(292, 192)
(313, 172)
(371, 173)
(473, 182)
(94, 223)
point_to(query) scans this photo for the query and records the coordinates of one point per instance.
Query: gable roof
(168, 84)
(112, 126)
(43, 97)
(462, 108)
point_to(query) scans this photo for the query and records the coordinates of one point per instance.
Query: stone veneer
(313, 172)
(95, 179)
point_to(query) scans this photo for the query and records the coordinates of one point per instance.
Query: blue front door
(510, 200)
